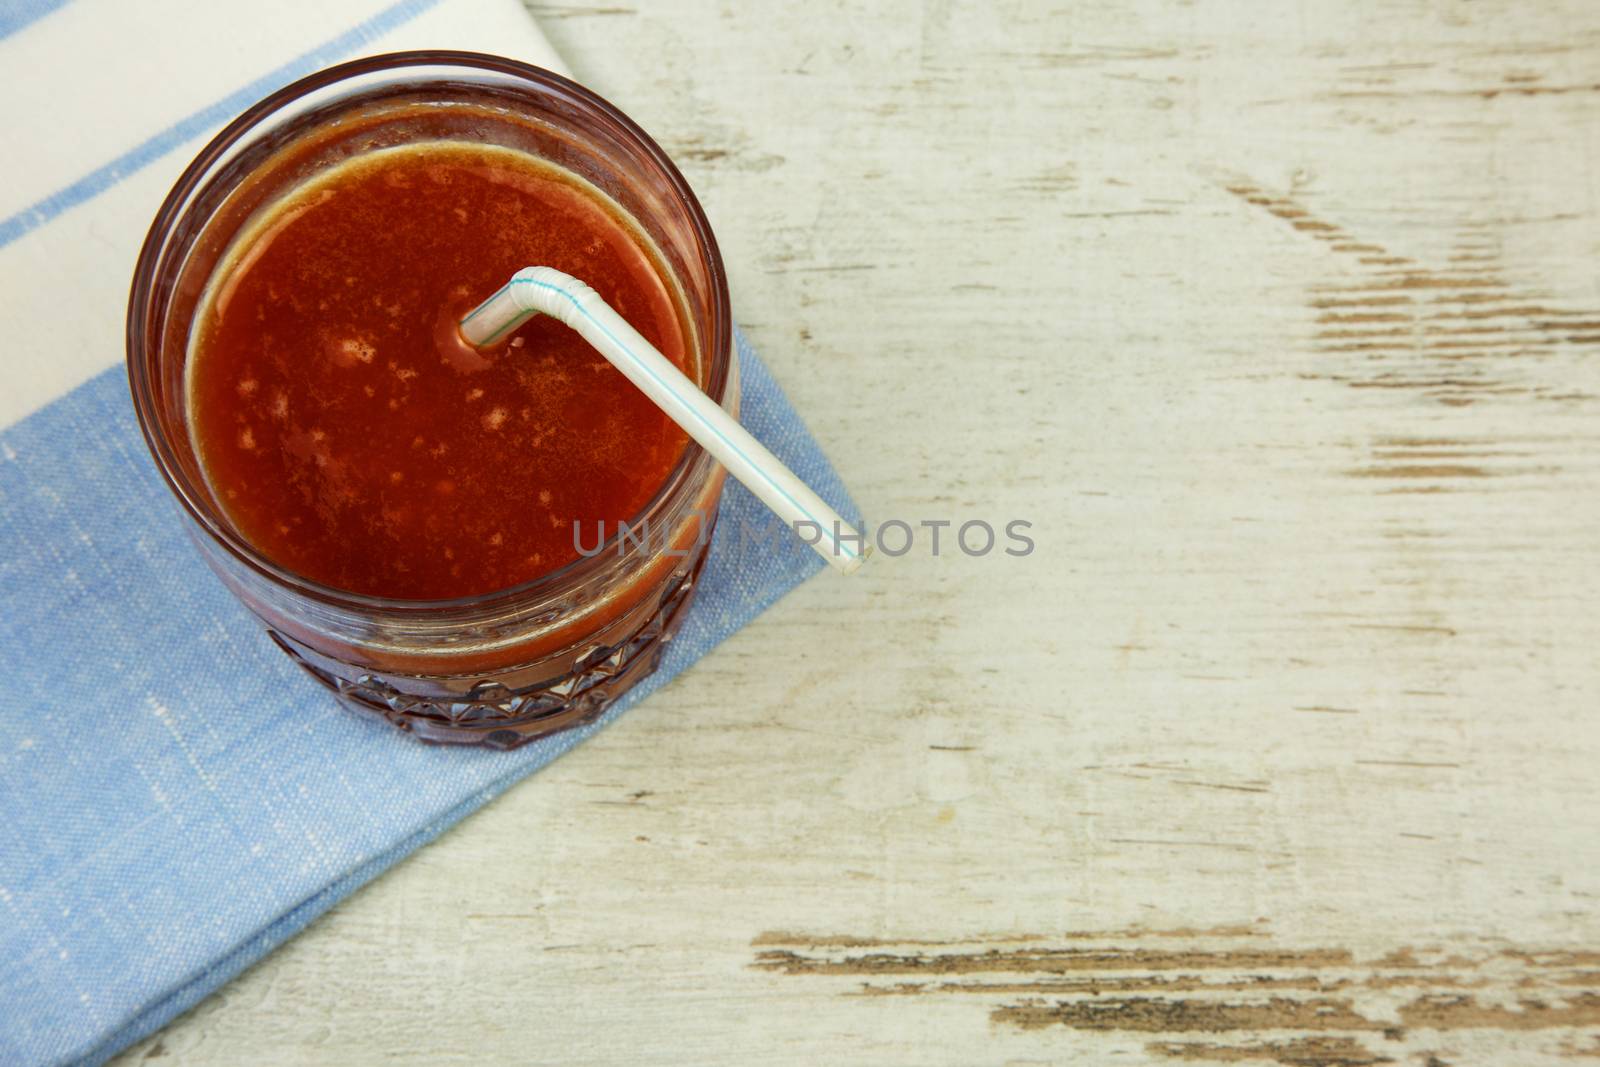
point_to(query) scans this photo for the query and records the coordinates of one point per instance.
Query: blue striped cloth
(178, 798)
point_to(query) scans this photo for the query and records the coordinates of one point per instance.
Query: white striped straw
(544, 290)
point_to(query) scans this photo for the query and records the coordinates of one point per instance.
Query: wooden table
(1281, 325)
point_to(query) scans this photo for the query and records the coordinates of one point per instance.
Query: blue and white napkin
(176, 798)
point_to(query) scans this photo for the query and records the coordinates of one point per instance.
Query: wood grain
(1281, 324)
(1338, 1008)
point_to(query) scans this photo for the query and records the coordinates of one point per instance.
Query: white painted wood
(1281, 324)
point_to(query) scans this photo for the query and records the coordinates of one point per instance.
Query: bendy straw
(546, 291)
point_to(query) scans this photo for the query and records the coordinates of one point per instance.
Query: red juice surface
(349, 434)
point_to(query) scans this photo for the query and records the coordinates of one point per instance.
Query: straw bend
(547, 291)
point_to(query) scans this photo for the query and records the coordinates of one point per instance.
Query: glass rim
(718, 351)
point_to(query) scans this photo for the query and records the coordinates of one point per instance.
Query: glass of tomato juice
(483, 547)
